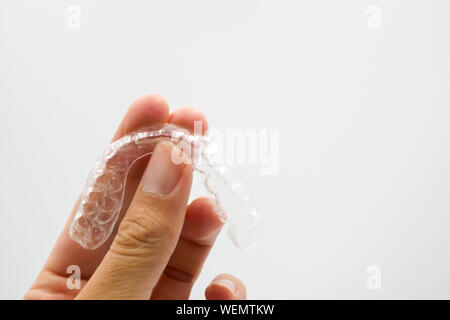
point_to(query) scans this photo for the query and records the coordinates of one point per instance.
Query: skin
(161, 243)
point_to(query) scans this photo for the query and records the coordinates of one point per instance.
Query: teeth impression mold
(102, 197)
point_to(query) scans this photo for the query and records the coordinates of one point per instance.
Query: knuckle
(142, 228)
(134, 234)
(180, 275)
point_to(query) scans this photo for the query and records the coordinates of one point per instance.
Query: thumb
(148, 233)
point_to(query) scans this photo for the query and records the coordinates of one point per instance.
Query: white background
(363, 116)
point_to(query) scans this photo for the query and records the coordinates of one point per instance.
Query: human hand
(158, 249)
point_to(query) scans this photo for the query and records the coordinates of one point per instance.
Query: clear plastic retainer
(102, 197)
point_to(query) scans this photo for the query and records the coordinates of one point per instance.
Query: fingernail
(162, 174)
(225, 283)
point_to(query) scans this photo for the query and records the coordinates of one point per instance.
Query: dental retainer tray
(102, 196)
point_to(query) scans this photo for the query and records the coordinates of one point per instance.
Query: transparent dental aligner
(102, 197)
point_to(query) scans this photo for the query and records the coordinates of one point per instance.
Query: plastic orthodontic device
(102, 197)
